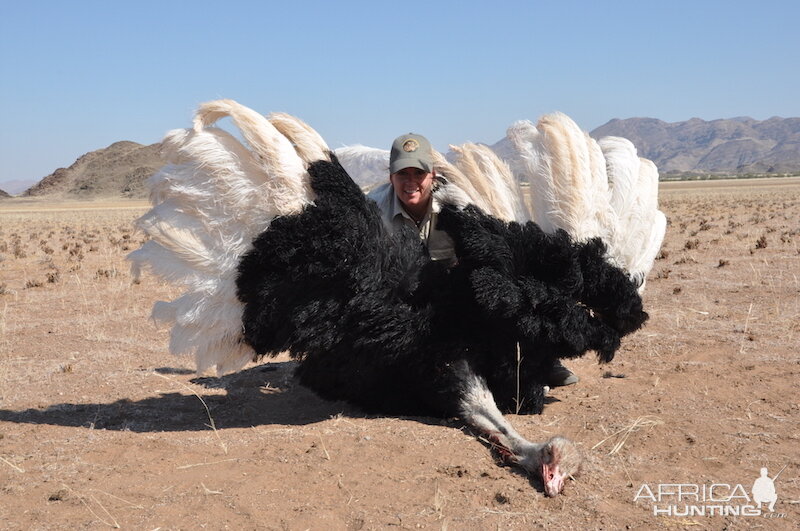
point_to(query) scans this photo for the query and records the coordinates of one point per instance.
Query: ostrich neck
(479, 410)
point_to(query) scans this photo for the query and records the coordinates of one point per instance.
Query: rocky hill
(737, 145)
(4, 194)
(120, 170)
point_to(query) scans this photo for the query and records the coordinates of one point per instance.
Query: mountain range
(733, 146)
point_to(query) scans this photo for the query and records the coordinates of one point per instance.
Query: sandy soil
(100, 427)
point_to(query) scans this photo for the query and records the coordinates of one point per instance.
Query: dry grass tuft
(12, 465)
(622, 435)
(112, 523)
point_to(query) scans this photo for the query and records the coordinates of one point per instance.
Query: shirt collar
(399, 210)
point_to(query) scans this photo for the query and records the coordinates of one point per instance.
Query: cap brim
(408, 162)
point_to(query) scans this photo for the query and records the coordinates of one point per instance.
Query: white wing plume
(210, 200)
(492, 180)
(633, 182)
(589, 189)
(560, 163)
(307, 142)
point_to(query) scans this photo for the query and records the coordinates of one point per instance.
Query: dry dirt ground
(100, 427)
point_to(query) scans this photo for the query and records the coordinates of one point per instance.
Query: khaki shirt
(439, 244)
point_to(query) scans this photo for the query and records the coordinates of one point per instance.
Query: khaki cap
(410, 151)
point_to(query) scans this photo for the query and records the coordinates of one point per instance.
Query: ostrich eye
(547, 454)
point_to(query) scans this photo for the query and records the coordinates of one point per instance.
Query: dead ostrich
(279, 250)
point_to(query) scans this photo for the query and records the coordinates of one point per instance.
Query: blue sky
(79, 75)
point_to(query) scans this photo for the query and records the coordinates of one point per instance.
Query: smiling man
(407, 197)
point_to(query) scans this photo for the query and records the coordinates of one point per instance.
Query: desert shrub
(705, 225)
(105, 273)
(76, 251)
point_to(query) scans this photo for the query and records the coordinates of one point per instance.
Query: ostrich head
(554, 460)
(560, 460)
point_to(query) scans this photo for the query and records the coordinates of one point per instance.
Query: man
(408, 199)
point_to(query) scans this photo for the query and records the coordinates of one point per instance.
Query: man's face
(413, 187)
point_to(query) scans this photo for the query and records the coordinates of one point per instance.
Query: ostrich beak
(553, 479)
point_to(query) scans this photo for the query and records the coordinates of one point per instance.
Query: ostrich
(280, 250)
